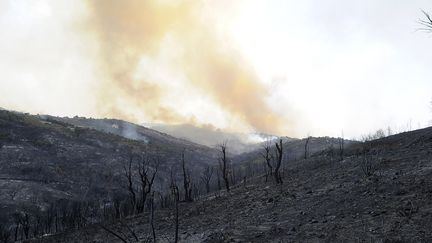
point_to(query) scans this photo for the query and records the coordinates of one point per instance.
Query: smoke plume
(129, 30)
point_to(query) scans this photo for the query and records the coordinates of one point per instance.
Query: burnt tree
(219, 184)
(186, 181)
(306, 152)
(152, 217)
(176, 195)
(341, 142)
(147, 175)
(279, 156)
(206, 177)
(268, 157)
(128, 173)
(224, 166)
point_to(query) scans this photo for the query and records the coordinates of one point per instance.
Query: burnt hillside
(379, 192)
(45, 160)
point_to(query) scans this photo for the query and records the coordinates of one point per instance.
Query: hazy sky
(289, 67)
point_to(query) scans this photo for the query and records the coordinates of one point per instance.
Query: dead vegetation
(317, 198)
(368, 164)
(322, 200)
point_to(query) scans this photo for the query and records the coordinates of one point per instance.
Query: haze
(282, 67)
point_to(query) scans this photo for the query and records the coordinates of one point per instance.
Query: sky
(284, 67)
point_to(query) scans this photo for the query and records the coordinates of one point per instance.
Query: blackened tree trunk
(224, 167)
(279, 156)
(186, 181)
(176, 196)
(341, 146)
(306, 147)
(152, 217)
(130, 184)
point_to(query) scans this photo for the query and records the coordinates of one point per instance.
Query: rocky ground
(381, 195)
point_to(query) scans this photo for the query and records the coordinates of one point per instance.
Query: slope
(45, 160)
(322, 199)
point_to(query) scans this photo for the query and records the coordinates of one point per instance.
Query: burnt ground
(48, 161)
(44, 160)
(322, 199)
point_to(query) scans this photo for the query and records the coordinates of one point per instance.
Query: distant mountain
(237, 142)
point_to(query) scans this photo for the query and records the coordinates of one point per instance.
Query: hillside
(44, 160)
(127, 130)
(379, 192)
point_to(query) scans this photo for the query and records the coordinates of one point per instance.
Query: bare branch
(426, 23)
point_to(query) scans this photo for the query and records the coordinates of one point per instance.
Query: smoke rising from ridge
(128, 31)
